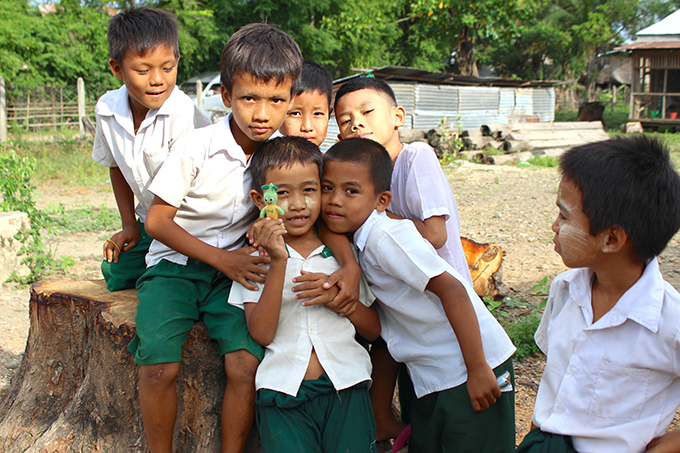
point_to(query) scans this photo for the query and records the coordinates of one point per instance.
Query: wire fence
(47, 107)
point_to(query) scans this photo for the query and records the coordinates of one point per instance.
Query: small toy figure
(270, 196)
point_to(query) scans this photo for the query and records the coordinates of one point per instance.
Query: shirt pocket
(154, 156)
(619, 392)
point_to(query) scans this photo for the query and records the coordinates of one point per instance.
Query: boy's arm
(668, 443)
(263, 317)
(481, 381)
(366, 321)
(129, 236)
(433, 229)
(238, 264)
(347, 279)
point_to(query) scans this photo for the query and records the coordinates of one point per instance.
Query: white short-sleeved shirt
(301, 328)
(398, 264)
(612, 385)
(207, 178)
(420, 190)
(139, 156)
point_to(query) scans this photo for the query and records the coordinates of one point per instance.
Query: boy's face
(299, 195)
(368, 114)
(573, 241)
(149, 78)
(348, 196)
(258, 108)
(307, 117)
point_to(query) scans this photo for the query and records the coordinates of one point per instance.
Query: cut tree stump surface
(76, 388)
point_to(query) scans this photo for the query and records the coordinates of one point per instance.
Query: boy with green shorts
(137, 125)
(312, 385)
(198, 220)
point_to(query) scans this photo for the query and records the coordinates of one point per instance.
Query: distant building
(655, 94)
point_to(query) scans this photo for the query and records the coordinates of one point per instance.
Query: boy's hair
(368, 153)
(139, 30)
(314, 77)
(283, 152)
(366, 83)
(262, 50)
(628, 182)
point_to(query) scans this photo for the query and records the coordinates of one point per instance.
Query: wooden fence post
(3, 111)
(81, 107)
(199, 94)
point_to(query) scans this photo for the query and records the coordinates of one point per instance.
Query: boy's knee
(159, 374)
(240, 366)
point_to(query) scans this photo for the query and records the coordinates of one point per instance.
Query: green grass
(521, 332)
(84, 219)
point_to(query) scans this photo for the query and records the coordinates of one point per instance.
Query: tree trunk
(76, 388)
(467, 62)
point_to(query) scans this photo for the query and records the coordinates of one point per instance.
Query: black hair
(264, 51)
(283, 152)
(314, 77)
(631, 183)
(365, 83)
(139, 30)
(368, 153)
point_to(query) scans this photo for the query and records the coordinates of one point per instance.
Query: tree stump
(76, 388)
(484, 261)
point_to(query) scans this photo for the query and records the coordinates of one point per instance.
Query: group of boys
(371, 220)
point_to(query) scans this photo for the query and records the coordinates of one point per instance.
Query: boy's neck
(305, 243)
(138, 114)
(611, 281)
(394, 147)
(242, 139)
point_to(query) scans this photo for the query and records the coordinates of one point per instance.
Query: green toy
(270, 196)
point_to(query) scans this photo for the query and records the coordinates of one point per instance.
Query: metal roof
(670, 25)
(401, 73)
(637, 45)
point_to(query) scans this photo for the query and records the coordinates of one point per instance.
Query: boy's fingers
(330, 281)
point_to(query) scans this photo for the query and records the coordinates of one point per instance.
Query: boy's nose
(156, 78)
(306, 124)
(554, 227)
(260, 112)
(296, 203)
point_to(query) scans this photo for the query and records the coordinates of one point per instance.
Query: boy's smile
(348, 196)
(307, 117)
(258, 108)
(573, 241)
(149, 78)
(299, 196)
(367, 114)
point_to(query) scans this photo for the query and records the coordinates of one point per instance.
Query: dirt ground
(504, 205)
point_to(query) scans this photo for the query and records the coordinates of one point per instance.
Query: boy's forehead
(366, 95)
(162, 50)
(290, 173)
(347, 172)
(247, 81)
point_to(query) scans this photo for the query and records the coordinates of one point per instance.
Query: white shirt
(207, 178)
(420, 190)
(300, 329)
(398, 264)
(612, 385)
(139, 156)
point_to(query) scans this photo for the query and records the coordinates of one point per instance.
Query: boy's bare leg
(158, 402)
(384, 375)
(238, 405)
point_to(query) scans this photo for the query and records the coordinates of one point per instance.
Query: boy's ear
(614, 239)
(116, 70)
(226, 97)
(257, 198)
(399, 116)
(383, 201)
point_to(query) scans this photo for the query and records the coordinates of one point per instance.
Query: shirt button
(573, 370)
(559, 409)
(391, 343)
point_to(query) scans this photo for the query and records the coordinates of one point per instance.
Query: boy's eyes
(294, 113)
(326, 188)
(352, 191)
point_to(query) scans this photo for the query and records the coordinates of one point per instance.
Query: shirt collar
(227, 142)
(361, 235)
(320, 250)
(642, 302)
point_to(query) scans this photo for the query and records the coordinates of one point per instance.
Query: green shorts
(445, 422)
(538, 441)
(130, 266)
(172, 298)
(319, 419)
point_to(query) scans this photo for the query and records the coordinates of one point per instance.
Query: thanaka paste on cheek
(284, 205)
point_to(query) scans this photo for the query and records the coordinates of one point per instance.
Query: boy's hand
(120, 242)
(254, 232)
(311, 287)
(482, 387)
(348, 281)
(668, 443)
(270, 236)
(240, 266)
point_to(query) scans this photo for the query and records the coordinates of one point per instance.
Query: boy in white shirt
(366, 107)
(611, 326)
(137, 125)
(430, 316)
(312, 384)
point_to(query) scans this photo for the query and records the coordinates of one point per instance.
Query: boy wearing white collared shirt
(312, 384)
(137, 125)
(611, 326)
